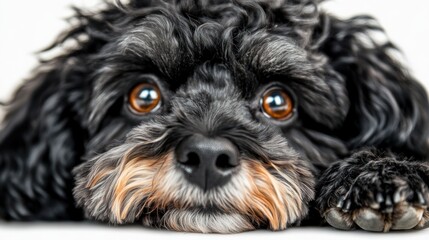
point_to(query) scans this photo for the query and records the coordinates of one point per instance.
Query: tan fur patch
(278, 202)
(134, 183)
(105, 172)
(261, 193)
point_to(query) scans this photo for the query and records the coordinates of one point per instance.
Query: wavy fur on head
(70, 148)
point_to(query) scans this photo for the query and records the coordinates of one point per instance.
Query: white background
(28, 26)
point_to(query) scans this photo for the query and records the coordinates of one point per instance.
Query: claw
(397, 197)
(380, 198)
(347, 205)
(388, 205)
(421, 199)
(340, 203)
(388, 201)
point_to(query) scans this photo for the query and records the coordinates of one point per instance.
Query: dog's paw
(377, 196)
(408, 217)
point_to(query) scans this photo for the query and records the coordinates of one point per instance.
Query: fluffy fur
(70, 148)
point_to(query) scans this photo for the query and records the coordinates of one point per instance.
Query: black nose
(207, 162)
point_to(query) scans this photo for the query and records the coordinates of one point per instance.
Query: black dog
(218, 116)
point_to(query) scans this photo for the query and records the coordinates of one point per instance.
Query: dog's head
(204, 100)
(209, 116)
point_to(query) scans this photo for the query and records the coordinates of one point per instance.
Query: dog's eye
(277, 104)
(144, 98)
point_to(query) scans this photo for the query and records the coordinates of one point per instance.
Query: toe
(338, 220)
(409, 219)
(370, 220)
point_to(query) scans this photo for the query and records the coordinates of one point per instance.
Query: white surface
(99, 232)
(28, 26)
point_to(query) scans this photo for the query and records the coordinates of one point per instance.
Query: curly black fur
(351, 94)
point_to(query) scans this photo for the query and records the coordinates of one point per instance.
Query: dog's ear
(38, 146)
(42, 135)
(388, 108)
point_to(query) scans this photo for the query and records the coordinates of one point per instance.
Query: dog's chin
(200, 220)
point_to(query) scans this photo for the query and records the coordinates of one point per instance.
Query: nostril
(223, 162)
(192, 160)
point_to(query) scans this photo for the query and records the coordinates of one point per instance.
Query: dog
(218, 116)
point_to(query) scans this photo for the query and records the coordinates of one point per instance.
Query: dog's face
(207, 118)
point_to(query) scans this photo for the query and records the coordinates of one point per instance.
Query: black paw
(375, 194)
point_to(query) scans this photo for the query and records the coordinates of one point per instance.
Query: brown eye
(277, 104)
(144, 98)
